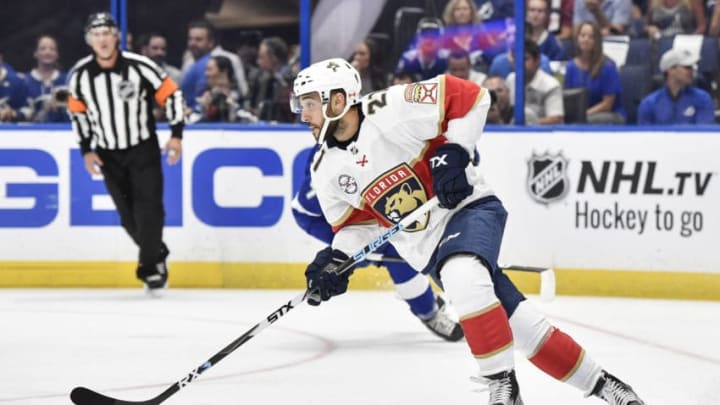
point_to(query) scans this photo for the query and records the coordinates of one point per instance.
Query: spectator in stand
(403, 78)
(248, 52)
(46, 84)
(129, 42)
(427, 58)
(678, 101)
(612, 16)
(543, 93)
(560, 18)
(275, 81)
(154, 46)
(459, 66)
(673, 17)
(367, 60)
(219, 102)
(537, 18)
(714, 26)
(501, 111)
(591, 69)
(13, 95)
(202, 44)
(460, 17)
(504, 63)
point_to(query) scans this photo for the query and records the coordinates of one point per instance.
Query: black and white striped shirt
(113, 108)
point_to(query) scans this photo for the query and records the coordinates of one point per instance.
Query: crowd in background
(577, 53)
(250, 84)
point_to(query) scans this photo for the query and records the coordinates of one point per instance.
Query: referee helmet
(97, 20)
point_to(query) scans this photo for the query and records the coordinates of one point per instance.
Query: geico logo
(639, 178)
(45, 194)
(34, 201)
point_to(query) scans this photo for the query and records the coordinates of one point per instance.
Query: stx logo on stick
(280, 312)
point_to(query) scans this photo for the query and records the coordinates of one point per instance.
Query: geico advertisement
(644, 201)
(228, 199)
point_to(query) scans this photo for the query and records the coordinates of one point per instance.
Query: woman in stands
(591, 69)
(368, 61)
(219, 102)
(460, 17)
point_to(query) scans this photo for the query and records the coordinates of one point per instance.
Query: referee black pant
(134, 179)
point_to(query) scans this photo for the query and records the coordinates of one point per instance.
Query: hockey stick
(86, 396)
(377, 257)
(547, 275)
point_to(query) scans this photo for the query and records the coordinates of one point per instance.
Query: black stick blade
(84, 396)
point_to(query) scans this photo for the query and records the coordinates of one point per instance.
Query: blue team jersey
(13, 91)
(39, 92)
(692, 106)
(502, 67)
(606, 83)
(306, 209)
(194, 82)
(551, 47)
(410, 63)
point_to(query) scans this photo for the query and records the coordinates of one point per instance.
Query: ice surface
(360, 348)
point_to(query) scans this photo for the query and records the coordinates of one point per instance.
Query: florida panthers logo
(396, 194)
(405, 201)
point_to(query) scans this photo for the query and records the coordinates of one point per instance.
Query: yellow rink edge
(582, 282)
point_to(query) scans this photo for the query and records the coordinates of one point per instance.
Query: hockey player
(412, 286)
(385, 155)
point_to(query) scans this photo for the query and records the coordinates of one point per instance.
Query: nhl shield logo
(547, 179)
(126, 90)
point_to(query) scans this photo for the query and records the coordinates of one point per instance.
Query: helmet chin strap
(326, 124)
(321, 137)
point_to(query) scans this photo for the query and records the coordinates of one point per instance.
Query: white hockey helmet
(323, 77)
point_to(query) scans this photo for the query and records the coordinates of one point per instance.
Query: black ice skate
(154, 276)
(614, 391)
(442, 325)
(504, 389)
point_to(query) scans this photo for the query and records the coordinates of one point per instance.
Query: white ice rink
(361, 348)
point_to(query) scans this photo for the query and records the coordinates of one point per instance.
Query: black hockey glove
(450, 183)
(322, 281)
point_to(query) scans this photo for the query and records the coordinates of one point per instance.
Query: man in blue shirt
(203, 44)
(678, 101)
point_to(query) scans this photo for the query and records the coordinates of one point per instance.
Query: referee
(111, 101)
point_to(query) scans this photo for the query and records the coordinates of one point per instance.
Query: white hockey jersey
(383, 173)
